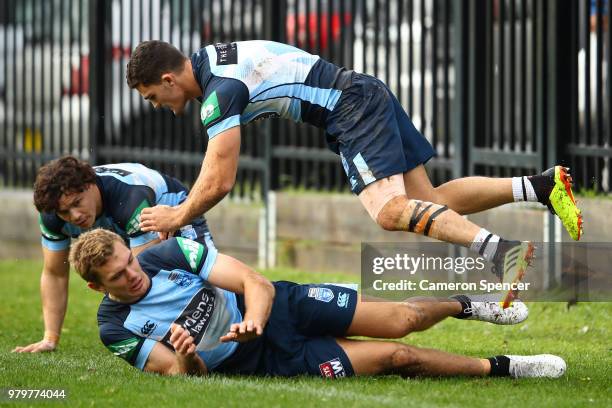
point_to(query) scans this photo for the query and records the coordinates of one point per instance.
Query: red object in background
(79, 78)
(317, 25)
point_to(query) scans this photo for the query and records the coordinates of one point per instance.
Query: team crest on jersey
(332, 369)
(210, 109)
(321, 294)
(180, 279)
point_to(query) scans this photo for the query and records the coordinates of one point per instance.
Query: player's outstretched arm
(184, 360)
(54, 295)
(215, 181)
(230, 274)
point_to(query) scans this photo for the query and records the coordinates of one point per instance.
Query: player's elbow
(221, 187)
(225, 187)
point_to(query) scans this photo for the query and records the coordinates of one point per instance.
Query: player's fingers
(146, 211)
(242, 329)
(234, 327)
(163, 235)
(176, 334)
(250, 326)
(228, 337)
(17, 349)
(191, 349)
(259, 329)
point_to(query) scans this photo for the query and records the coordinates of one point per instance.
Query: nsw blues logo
(181, 279)
(321, 294)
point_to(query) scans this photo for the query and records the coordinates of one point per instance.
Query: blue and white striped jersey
(179, 293)
(248, 80)
(126, 188)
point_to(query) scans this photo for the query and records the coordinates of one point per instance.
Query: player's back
(248, 80)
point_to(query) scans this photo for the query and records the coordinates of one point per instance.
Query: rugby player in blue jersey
(181, 307)
(382, 152)
(72, 196)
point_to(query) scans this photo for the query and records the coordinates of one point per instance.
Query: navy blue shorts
(300, 335)
(373, 134)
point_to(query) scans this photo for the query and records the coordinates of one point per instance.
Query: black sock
(500, 366)
(466, 305)
(542, 185)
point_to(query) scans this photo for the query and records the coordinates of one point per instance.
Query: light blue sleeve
(225, 124)
(143, 354)
(55, 245)
(143, 239)
(211, 258)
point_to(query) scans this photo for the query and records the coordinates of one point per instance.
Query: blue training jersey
(179, 293)
(126, 188)
(248, 80)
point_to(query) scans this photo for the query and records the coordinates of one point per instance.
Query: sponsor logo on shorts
(180, 279)
(332, 369)
(321, 294)
(343, 300)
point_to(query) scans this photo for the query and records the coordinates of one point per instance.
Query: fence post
(462, 84)
(274, 29)
(99, 38)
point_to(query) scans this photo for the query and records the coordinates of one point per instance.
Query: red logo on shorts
(332, 369)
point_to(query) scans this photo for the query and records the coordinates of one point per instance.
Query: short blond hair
(91, 250)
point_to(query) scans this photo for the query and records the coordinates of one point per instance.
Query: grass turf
(93, 377)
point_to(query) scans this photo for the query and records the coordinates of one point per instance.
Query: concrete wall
(234, 227)
(318, 232)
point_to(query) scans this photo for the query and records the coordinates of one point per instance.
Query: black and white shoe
(538, 366)
(488, 308)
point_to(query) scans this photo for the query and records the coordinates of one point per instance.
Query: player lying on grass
(381, 150)
(182, 308)
(72, 196)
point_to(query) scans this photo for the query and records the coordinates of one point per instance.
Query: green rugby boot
(562, 203)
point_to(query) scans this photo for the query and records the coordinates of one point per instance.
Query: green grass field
(93, 377)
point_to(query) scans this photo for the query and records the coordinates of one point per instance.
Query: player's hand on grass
(243, 332)
(41, 346)
(161, 218)
(182, 341)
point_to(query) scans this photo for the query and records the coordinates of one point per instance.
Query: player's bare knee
(389, 217)
(403, 358)
(405, 319)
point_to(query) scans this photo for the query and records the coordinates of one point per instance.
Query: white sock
(485, 243)
(522, 190)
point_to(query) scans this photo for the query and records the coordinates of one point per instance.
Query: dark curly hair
(64, 175)
(150, 60)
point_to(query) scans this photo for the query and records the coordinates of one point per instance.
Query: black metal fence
(499, 87)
